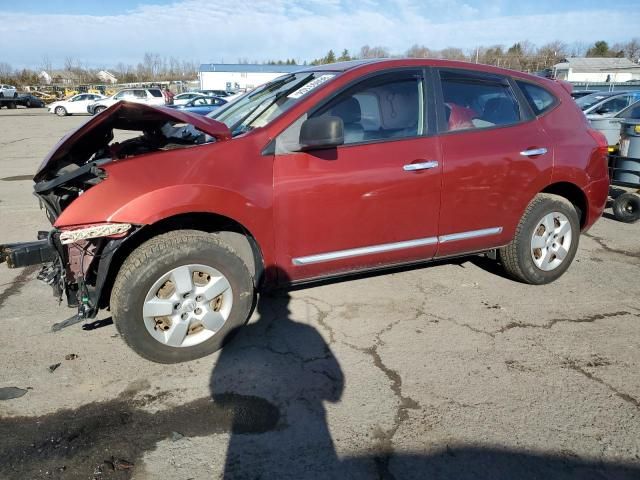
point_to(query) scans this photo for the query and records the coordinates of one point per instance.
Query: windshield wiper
(276, 97)
(275, 85)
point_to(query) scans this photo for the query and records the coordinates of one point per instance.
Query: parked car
(215, 93)
(8, 91)
(201, 105)
(149, 96)
(30, 101)
(610, 126)
(321, 173)
(183, 98)
(607, 104)
(582, 93)
(74, 105)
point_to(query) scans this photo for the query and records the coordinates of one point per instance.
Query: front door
(372, 201)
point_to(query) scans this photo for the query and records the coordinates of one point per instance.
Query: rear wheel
(626, 208)
(180, 296)
(60, 111)
(545, 242)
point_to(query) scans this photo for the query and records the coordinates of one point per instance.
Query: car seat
(500, 111)
(350, 113)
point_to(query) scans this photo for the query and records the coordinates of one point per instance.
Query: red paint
(310, 203)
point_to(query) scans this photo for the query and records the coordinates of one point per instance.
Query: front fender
(94, 206)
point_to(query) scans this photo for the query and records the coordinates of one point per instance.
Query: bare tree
(5, 73)
(452, 53)
(631, 49)
(373, 52)
(45, 64)
(419, 51)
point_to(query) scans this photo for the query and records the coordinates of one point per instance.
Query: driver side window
(389, 106)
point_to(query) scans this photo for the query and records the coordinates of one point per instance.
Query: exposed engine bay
(76, 261)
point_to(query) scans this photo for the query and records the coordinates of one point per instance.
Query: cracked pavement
(447, 371)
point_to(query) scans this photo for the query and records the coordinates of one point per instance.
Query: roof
(248, 68)
(596, 64)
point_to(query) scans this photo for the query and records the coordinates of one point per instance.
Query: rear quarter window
(540, 99)
(155, 93)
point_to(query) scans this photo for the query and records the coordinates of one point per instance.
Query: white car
(184, 98)
(74, 105)
(150, 96)
(8, 91)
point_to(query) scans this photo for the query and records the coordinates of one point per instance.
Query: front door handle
(534, 152)
(412, 167)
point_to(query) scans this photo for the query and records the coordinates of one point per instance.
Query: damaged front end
(76, 258)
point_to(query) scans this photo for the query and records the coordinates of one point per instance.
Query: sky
(104, 33)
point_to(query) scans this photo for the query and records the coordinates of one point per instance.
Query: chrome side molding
(485, 232)
(356, 252)
(388, 247)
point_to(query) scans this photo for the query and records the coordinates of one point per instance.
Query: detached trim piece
(388, 247)
(356, 252)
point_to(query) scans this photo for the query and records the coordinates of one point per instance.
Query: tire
(27, 104)
(60, 111)
(12, 106)
(626, 208)
(537, 266)
(97, 110)
(141, 285)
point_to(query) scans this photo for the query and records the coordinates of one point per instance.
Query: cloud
(272, 29)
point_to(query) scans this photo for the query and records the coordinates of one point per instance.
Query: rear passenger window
(538, 98)
(474, 101)
(155, 93)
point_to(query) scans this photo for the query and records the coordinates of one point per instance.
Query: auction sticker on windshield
(310, 86)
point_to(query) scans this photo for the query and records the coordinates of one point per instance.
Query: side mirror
(321, 132)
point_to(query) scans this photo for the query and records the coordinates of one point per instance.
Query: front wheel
(180, 296)
(545, 242)
(97, 110)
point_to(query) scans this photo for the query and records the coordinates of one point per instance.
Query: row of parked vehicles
(202, 102)
(617, 116)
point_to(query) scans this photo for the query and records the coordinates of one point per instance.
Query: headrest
(348, 110)
(398, 110)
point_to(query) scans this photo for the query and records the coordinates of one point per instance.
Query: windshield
(589, 101)
(265, 104)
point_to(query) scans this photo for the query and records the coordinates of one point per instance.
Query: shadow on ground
(269, 390)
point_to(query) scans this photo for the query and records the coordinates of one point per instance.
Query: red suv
(332, 170)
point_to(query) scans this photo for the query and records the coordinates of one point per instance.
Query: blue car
(201, 105)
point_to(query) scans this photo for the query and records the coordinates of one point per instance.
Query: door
(79, 104)
(373, 200)
(495, 156)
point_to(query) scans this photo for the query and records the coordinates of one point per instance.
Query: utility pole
(477, 53)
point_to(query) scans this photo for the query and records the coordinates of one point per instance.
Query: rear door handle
(534, 152)
(412, 167)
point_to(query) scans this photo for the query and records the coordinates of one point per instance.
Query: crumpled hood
(126, 116)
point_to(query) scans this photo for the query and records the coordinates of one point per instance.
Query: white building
(107, 77)
(229, 76)
(576, 69)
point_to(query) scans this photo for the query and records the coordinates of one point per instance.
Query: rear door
(372, 201)
(494, 153)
